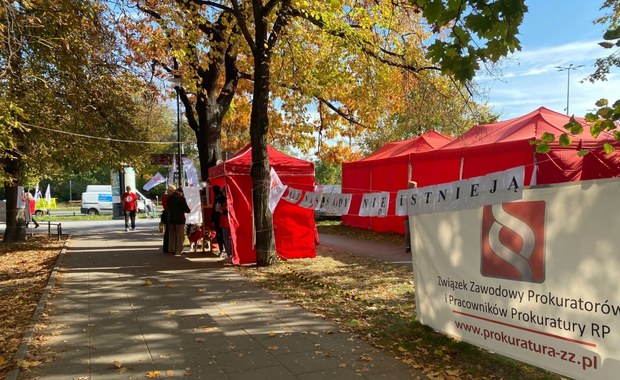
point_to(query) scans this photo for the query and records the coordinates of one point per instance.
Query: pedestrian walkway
(124, 310)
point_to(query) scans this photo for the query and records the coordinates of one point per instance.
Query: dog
(194, 235)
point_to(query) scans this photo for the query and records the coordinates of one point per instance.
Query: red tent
(386, 169)
(499, 146)
(294, 226)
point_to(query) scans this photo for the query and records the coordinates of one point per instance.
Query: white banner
(466, 194)
(192, 196)
(293, 195)
(335, 203)
(311, 200)
(375, 204)
(276, 189)
(471, 193)
(533, 279)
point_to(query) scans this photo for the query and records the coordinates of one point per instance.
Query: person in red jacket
(129, 200)
(30, 208)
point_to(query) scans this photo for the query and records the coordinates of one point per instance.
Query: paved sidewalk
(124, 310)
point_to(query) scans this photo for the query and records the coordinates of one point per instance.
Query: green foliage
(543, 147)
(574, 126)
(327, 173)
(62, 71)
(565, 140)
(475, 31)
(611, 41)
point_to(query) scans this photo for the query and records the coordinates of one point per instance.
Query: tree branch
(365, 46)
(279, 24)
(243, 26)
(339, 112)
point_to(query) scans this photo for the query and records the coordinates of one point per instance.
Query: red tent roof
(282, 163)
(428, 141)
(527, 127)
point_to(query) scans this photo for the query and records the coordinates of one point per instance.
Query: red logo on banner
(513, 241)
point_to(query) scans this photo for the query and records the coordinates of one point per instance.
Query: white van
(97, 199)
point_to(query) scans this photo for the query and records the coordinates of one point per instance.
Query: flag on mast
(48, 195)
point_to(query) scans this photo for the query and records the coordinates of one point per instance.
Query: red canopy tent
(386, 169)
(499, 146)
(294, 226)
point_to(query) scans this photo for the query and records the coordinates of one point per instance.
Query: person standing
(177, 208)
(29, 210)
(219, 199)
(225, 226)
(164, 215)
(130, 207)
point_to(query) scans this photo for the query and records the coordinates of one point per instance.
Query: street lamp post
(568, 70)
(177, 87)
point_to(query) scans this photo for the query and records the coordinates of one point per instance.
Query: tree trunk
(208, 134)
(263, 220)
(15, 223)
(205, 117)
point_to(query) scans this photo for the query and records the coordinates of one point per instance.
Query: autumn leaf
(25, 364)
(152, 374)
(117, 364)
(147, 283)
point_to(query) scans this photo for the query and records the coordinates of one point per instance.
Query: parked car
(321, 213)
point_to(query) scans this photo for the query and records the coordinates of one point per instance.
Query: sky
(554, 33)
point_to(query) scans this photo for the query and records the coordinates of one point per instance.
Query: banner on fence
(534, 279)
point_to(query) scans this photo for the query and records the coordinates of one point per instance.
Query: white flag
(172, 170)
(48, 195)
(156, 180)
(276, 189)
(37, 193)
(190, 171)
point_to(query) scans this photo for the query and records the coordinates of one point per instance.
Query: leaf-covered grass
(376, 301)
(24, 270)
(336, 228)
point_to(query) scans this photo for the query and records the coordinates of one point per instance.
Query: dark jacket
(177, 208)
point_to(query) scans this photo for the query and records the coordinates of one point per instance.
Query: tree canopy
(61, 81)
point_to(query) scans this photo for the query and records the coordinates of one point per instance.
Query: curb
(22, 350)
